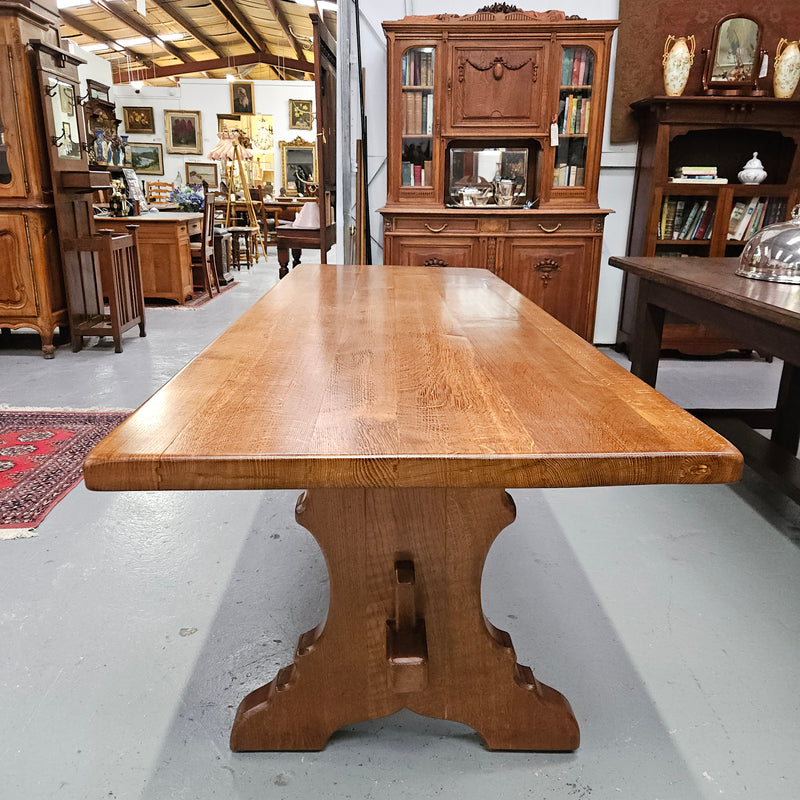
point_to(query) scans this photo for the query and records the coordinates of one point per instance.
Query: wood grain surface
(357, 376)
(715, 279)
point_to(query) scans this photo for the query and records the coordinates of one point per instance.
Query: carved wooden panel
(494, 82)
(17, 283)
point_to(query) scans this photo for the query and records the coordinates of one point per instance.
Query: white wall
(212, 97)
(617, 165)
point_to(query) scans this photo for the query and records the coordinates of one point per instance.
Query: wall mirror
(298, 167)
(733, 62)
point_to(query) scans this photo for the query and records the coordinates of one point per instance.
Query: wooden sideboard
(500, 96)
(163, 250)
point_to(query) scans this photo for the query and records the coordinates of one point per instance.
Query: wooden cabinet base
(405, 628)
(552, 258)
(164, 252)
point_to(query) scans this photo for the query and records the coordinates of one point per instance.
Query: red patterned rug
(41, 456)
(198, 299)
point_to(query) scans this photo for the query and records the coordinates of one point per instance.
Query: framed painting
(146, 158)
(182, 129)
(139, 119)
(242, 97)
(199, 171)
(301, 114)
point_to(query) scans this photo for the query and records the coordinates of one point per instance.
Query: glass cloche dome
(773, 254)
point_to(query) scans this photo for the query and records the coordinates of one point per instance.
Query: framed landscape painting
(182, 130)
(199, 171)
(145, 158)
(138, 119)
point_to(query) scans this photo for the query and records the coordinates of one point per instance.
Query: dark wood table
(762, 314)
(409, 400)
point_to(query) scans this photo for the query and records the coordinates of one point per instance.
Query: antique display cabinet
(494, 134)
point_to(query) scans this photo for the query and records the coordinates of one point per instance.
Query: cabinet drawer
(439, 251)
(433, 224)
(553, 224)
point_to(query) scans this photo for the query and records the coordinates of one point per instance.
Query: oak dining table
(404, 402)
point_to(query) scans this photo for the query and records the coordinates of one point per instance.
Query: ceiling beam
(99, 36)
(174, 11)
(154, 71)
(240, 21)
(143, 29)
(280, 17)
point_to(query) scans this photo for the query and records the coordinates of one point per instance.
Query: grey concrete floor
(133, 623)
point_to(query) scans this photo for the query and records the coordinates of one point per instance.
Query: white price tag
(554, 134)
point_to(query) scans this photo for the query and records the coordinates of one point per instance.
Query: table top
(159, 216)
(715, 279)
(368, 376)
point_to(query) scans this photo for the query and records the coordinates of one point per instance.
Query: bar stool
(242, 244)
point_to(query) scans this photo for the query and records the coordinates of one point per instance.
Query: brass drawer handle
(435, 230)
(549, 230)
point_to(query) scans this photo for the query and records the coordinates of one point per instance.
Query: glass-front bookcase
(417, 95)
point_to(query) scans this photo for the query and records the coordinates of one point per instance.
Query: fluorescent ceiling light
(133, 42)
(170, 37)
(311, 3)
(72, 3)
(91, 48)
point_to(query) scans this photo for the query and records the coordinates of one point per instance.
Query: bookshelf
(677, 134)
(494, 134)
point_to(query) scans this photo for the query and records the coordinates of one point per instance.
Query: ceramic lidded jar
(753, 171)
(787, 68)
(677, 60)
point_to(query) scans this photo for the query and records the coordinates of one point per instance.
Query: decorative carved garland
(434, 262)
(497, 68)
(546, 267)
(498, 8)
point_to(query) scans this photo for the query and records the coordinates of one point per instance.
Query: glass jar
(773, 254)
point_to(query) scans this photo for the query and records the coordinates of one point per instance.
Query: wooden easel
(252, 217)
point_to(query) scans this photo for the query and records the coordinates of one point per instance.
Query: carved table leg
(283, 260)
(405, 628)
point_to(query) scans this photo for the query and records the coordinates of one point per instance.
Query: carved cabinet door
(560, 274)
(498, 83)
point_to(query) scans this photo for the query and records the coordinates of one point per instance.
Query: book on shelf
(696, 172)
(756, 219)
(680, 209)
(704, 221)
(737, 214)
(406, 173)
(668, 230)
(744, 221)
(710, 229)
(697, 179)
(691, 220)
(776, 211)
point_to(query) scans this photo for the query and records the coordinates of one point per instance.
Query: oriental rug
(197, 300)
(41, 458)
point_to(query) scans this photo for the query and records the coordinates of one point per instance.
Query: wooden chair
(203, 260)
(159, 191)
